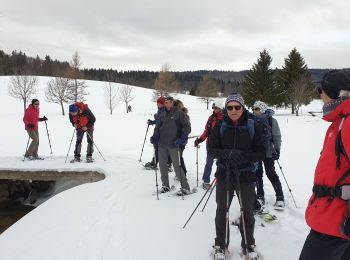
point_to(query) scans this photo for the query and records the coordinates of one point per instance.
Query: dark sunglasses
(36, 104)
(233, 107)
(319, 90)
(256, 109)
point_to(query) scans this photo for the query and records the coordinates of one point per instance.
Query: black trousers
(248, 198)
(320, 246)
(90, 146)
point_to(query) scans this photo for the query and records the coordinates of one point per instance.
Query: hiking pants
(34, 145)
(90, 146)
(325, 247)
(208, 167)
(163, 154)
(248, 198)
(269, 165)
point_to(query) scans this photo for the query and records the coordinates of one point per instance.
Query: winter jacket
(322, 214)
(237, 137)
(211, 122)
(84, 117)
(174, 126)
(156, 116)
(31, 116)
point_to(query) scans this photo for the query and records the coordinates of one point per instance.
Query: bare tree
(111, 96)
(302, 92)
(57, 91)
(125, 94)
(166, 82)
(207, 89)
(23, 88)
(77, 88)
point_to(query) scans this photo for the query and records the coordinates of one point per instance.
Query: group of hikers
(242, 142)
(80, 116)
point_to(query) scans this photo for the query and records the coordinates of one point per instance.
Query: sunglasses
(319, 90)
(36, 104)
(233, 107)
(256, 109)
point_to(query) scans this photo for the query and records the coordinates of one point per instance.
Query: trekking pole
(48, 136)
(290, 190)
(238, 190)
(179, 155)
(155, 171)
(70, 145)
(197, 162)
(228, 173)
(199, 202)
(144, 142)
(24, 157)
(211, 191)
(95, 145)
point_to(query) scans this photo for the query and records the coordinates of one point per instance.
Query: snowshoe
(150, 166)
(183, 192)
(205, 185)
(219, 254)
(76, 159)
(261, 200)
(279, 205)
(164, 189)
(38, 158)
(89, 159)
(252, 254)
(267, 217)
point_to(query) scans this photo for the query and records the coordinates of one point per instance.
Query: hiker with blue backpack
(273, 140)
(237, 143)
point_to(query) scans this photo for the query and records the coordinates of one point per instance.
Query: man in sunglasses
(236, 149)
(328, 210)
(30, 119)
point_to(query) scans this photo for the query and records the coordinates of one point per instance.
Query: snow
(119, 218)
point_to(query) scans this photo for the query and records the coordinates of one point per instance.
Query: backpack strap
(251, 129)
(339, 147)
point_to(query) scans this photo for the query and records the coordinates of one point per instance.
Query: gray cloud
(188, 34)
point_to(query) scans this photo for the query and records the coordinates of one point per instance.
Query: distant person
(328, 210)
(273, 148)
(171, 131)
(30, 119)
(83, 120)
(129, 108)
(237, 151)
(213, 119)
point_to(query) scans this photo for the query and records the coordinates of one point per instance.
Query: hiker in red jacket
(83, 120)
(328, 211)
(30, 119)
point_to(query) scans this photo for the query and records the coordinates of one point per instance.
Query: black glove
(30, 125)
(197, 142)
(236, 157)
(276, 155)
(43, 119)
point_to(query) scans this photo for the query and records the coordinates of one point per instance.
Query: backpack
(266, 123)
(339, 147)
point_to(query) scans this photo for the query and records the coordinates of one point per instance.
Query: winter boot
(183, 191)
(205, 185)
(219, 253)
(150, 166)
(164, 189)
(279, 205)
(261, 200)
(89, 159)
(76, 159)
(170, 169)
(252, 254)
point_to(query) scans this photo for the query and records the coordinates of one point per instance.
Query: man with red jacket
(83, 121)
(30, 119)
(328, 211)
(215, 117)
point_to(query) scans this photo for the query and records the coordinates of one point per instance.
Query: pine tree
(259, 83)
(292, 78)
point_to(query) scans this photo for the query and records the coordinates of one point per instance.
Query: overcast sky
(187, 34)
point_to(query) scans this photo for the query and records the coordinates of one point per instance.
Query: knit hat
(161, 100)
(34, 100)
(334, 81)
(73, 108)
(169, 98)
(235, 97)
(261, 105)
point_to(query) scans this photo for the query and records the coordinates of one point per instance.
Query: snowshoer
(83, 120)
(215, 117)
(328, 210)
(30, 119)
(171, 131)
(273, 147)
(236, 149)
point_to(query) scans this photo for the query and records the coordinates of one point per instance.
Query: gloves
(181, 141)
(30, 125)
(43, 119)
(149, 122)
(276, 155)
(236, 157)
(154, 139)
(197, 142)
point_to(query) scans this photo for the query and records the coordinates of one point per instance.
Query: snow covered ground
(119, 218)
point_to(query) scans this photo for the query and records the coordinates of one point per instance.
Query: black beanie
(334, 81)
(34, 100)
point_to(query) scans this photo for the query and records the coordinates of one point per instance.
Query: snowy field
(119, 217)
